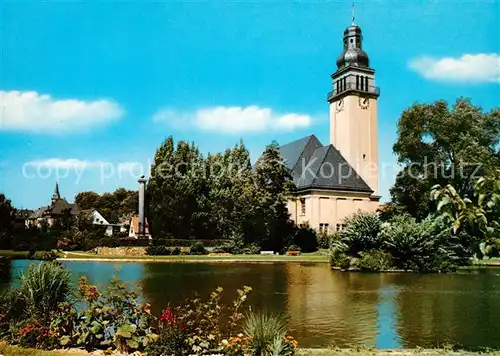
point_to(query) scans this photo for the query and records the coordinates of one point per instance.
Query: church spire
(56, 196)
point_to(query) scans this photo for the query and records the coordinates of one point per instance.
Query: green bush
(426, 246)
(157, 250)
(325, 238)
(205, 322)
(171, 342)
(341, 260)
(45, 255)
(43, 287)
(175, 251)
(250, 249)
(375, 261)
(294, 248)
(361, 233)
(113, 317)
(306, 239)
(198, 249)
(267, 333)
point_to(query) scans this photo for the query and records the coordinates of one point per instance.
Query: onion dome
(353, 54)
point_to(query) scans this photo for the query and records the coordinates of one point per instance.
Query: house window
(302, 206)
(340, 227)
(323, 227)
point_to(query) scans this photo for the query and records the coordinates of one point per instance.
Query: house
(134, 230)
(58, 209)
(21, 216)
(98, 219)
(336, 180)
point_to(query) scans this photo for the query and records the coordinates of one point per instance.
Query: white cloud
(234, 119)
(71, 163)
(468, 68)
(34, 112)
(62, 168)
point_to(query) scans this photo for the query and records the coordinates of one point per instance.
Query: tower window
(357, 82)
(302, 206)
(366, 83)
(352, 41)
(345, 83)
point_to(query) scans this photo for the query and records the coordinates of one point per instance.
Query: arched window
(345, 83)
(366, 83)
(357, 82)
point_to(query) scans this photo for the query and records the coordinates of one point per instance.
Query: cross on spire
(353, 13)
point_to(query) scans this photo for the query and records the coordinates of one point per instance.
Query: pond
(326, 307)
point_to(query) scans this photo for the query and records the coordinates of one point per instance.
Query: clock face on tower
(364, 102)
(340, 105)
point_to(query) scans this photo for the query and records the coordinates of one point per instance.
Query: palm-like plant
(361, 232)
(267, 333)
(43, 287)
(481, 215)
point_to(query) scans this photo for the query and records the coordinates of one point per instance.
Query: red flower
(167, 315)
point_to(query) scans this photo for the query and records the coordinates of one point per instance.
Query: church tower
(353, 108)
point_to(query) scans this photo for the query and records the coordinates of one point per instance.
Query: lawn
(15, 255)
(305, 257)
(318, 256)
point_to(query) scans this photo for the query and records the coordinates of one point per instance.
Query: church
(341, 178)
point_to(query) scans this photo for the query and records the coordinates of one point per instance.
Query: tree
(173, 193)
(479, 216)
(439, 145)
(108, 206)
(6, 221)
(274, 187)
(87, 200)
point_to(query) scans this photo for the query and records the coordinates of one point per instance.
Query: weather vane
(353, 14)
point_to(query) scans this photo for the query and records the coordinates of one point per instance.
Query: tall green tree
(87, 200)
(274, 186)
(6, 221)
(176, 183)
(442, 145)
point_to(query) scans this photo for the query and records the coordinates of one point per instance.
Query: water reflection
(325, 307)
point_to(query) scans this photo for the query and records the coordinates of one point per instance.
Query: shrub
(426, 246)
(45, 255)
(250, 249)
(43, 287)
(325, 238)
(157, 250)
(361, 233)
(294, 248)
(267, 334)
(204, 322)
(185, 242)
(34, 335)
(306, 239)
(113, 317)
(176, 251)
(375, 261)
(171, 342)
(198, 249)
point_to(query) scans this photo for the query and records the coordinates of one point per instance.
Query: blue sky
(100, 84)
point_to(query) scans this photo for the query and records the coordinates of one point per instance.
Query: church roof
(59, 206)
(314, 166)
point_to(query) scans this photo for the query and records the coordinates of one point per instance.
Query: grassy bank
(87, 256)
(13, 350)
(14, 255)
(306, 257)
